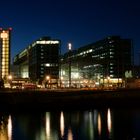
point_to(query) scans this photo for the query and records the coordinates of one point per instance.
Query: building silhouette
(39, 60)
(103, 63)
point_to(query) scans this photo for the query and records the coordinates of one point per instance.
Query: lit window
(4, 35)
(111, 52)
(48, 65)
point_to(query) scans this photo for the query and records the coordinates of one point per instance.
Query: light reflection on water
(109, 122)
(99, 124)
(62, 124)
(6, 128)
(70, 135)
(105, 124)
(9, 128)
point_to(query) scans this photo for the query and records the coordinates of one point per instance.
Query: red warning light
(10, 28)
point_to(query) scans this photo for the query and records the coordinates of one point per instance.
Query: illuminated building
(103, 62)
(5, 35)
(39, 59)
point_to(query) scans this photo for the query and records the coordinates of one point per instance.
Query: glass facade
(40, 59)
(103, 62)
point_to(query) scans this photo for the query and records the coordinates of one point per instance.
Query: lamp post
(69, 48)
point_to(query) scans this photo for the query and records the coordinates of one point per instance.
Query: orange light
(4, 35)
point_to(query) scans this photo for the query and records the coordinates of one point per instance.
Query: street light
(48, 80)
(10, 77)
(47, 77)
(108, 81)
(69, 48)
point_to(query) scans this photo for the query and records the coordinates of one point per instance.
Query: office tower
(39, 60)
(102, 62)
(5, 45)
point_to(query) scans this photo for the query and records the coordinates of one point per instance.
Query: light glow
(10, 77)
(48, 65)
(70, 136)
(62, 126)
(109, 123)
(5, 60)
(4, 35)
(47, 42)
(9, 128)
(99, 124)
(48, 124)
(69, 46)
(47, 77)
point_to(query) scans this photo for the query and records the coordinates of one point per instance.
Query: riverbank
(68, 99)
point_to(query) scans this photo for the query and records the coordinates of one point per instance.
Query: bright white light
(109, 123)
(69, 46)
(62, 126)
(47, 42)
(9, 128)
(75, 75)
(47, 124)
(48, 65)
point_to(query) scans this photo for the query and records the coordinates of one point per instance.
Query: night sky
(77, 21)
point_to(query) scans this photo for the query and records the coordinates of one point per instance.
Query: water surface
(93, 124)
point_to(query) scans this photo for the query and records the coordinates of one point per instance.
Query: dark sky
(77, 21)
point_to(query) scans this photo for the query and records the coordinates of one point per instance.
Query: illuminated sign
(47, 42)
(4, 35)
(69, 46)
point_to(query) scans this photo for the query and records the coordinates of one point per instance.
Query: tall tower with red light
(5, 46)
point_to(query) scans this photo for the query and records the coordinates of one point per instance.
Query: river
(93, 124)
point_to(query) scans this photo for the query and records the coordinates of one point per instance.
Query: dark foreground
(67, 99)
